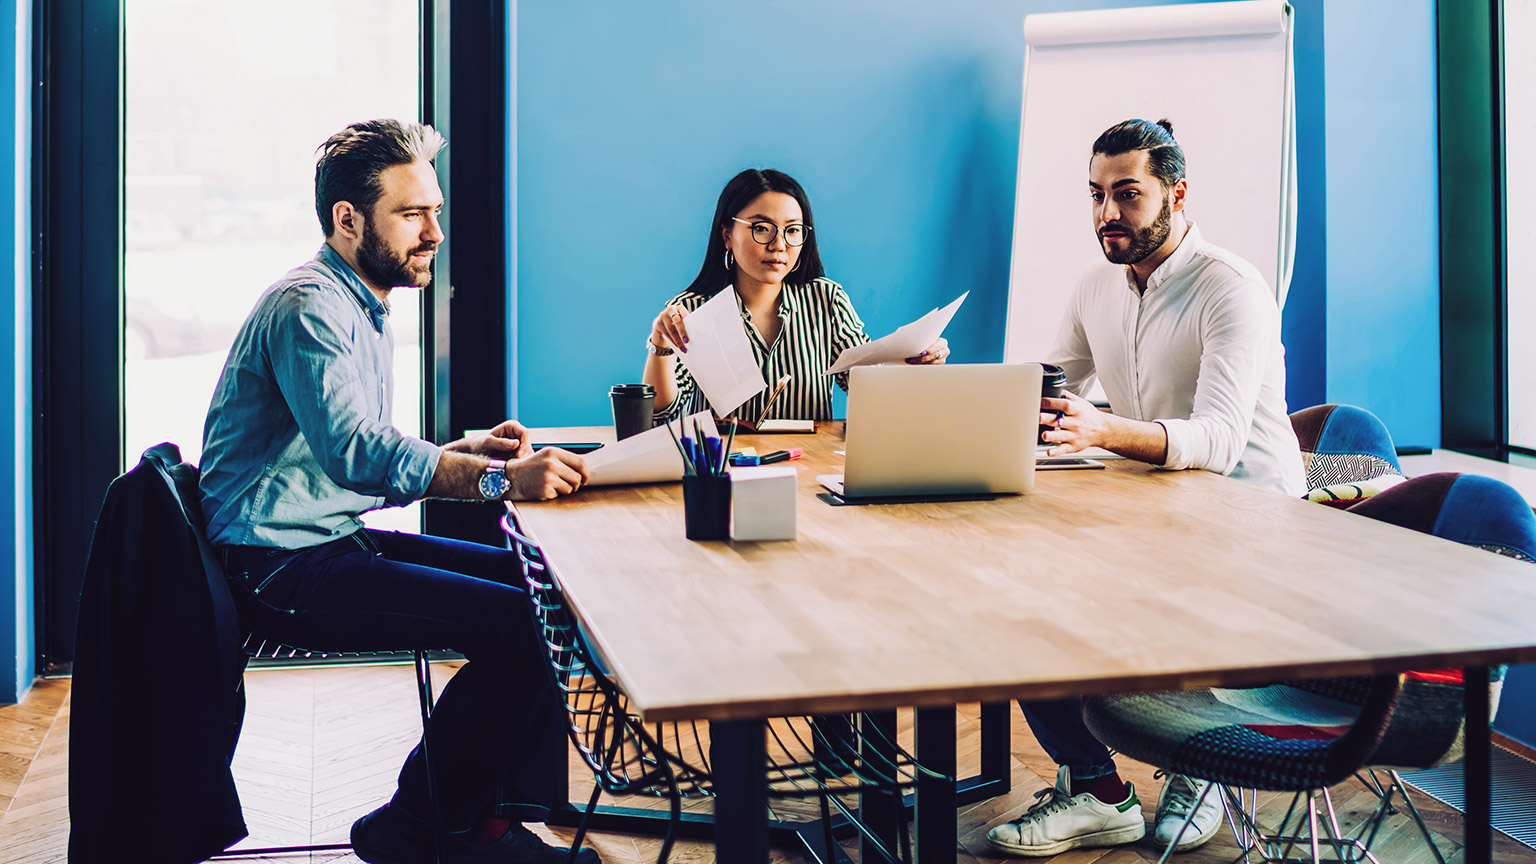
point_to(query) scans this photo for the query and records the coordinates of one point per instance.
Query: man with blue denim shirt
(298, 444)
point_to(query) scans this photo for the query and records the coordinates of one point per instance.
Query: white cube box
(763, 502)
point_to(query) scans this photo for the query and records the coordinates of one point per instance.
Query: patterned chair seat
(1282, 737)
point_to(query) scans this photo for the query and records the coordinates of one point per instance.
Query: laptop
(927, 433)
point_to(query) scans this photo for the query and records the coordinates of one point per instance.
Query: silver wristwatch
(658, 350)
(494, 482)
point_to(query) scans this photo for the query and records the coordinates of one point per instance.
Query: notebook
(925, 433)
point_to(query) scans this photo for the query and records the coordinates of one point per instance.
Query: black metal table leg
(880, 811)
(740, 761)
(1478, 775)
(937, 831)
(997, 745)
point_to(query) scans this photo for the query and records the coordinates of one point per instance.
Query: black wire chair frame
(808, 757)
(258, 647)
(181, 479)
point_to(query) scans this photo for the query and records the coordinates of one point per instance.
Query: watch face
(493, 484)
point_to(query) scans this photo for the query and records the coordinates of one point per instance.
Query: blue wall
(902, 124)
(1384, 215)
(16, 623)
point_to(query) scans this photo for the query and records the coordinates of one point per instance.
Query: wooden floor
(321, 747)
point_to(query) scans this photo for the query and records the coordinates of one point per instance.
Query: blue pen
(712, 454)
(690, 454)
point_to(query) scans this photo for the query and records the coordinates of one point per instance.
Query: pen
(777, 389)
(712, 455)
(687, 466)
(725, 454)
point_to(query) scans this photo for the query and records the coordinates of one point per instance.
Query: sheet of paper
(908, 340)
(649, 457)
(719, 356)
(1086, 453)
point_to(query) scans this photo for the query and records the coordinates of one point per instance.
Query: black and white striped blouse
(818, 325)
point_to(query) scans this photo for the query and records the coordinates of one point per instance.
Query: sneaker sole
(1194, 842)
(1117, 837)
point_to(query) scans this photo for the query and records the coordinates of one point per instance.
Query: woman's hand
(933, 355)
(668, 329)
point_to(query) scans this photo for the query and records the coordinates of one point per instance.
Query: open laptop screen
(937, 430)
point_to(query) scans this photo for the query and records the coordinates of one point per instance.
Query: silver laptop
(936, 431)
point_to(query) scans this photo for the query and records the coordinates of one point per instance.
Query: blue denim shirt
(298, 442)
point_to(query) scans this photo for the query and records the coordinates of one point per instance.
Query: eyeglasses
(763, 232)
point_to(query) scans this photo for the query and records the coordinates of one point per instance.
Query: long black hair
(738, 193)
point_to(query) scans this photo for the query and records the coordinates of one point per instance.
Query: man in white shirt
(1185, 337)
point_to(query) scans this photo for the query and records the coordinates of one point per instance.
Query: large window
(226, 104)
(1520, 221)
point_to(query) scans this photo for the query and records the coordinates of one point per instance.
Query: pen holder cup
(707, 506)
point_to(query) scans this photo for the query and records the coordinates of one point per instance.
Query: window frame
(78, 249)
(1474, 380)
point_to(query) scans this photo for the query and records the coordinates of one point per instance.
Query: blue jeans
(497, 731)
(1058, 726)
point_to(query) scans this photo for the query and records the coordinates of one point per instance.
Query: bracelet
(657, 350)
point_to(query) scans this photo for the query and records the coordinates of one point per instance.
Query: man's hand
(507, 441)
(549, 473)
(1080, 426)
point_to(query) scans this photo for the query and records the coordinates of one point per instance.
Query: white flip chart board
(1221, 72)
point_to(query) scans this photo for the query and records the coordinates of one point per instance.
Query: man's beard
(1143, 241)
(381, 266)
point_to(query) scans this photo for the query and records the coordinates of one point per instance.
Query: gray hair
(352, 160)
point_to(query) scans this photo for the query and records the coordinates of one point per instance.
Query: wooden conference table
(1098, 582)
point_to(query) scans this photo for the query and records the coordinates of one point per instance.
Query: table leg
(997, 745)
(739, 759)
(937, 830)
(1478, 770)
(880, 811)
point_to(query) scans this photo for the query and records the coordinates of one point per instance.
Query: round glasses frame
(764, 232)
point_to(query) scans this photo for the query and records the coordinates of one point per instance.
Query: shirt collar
(377, 309)
(788, 301)
(1181, 257)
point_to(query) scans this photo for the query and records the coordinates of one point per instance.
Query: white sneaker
(1059, 821)
(1178, 798)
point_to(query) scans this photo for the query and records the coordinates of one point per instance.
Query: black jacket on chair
(156, 700)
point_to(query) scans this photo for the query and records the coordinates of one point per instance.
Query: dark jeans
(497, 733)
(1058, 726)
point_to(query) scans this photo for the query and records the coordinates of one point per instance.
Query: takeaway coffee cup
(633, 407)
(1051, 384)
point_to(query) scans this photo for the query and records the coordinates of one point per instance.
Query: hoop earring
(729, 261)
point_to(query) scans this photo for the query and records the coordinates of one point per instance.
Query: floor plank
(322, 746)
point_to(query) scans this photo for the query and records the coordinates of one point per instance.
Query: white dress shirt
(1198, 352)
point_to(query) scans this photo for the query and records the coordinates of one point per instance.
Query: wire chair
(808, 757)
(181, 478)
(258, 647)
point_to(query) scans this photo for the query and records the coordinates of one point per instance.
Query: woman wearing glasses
(762, 246)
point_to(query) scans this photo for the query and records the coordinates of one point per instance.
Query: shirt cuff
(1179, 434)
(411, 473)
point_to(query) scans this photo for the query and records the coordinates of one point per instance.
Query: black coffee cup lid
(1053, 373)
(632, 390)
